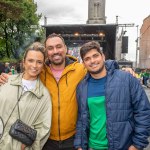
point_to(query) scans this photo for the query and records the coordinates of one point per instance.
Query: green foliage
(10, 60)
(9, 10)
(18, 26)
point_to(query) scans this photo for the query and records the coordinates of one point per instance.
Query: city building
(96, 12)
(144, 39)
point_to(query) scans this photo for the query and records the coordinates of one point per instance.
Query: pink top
(56, 72)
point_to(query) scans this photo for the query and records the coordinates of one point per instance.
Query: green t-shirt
(97, 111)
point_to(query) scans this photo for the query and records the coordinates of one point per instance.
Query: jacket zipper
(58, 112)
(57, 83)
(59, 104)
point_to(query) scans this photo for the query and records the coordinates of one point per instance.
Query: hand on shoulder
(130, 71)
(3, 78)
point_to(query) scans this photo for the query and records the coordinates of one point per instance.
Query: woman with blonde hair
(25, 105)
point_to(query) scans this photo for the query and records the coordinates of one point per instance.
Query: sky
(76, 12)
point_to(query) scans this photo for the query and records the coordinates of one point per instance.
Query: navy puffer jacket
(127, 110)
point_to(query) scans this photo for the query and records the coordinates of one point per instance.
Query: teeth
(93, 65)
(56, 56)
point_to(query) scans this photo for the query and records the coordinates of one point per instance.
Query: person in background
(113, 109)
(60, 75)
(7, 68)
(146, 76)
(13, 70)
(19, 68)
(34, 101)
(2, 67)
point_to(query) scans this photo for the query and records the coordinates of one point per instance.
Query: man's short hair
(54, 35)
(88, 46)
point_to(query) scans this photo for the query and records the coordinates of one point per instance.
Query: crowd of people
(95, 105)
(144, 75)
(11, 68)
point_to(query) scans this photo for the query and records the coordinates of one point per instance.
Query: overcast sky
(76, 12)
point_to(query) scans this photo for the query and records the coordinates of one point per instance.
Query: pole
(45, 20)
(137, 48)
(116, 19)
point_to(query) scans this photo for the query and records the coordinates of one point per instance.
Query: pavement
(147, 90)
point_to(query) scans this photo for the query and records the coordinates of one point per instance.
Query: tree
(18, 23)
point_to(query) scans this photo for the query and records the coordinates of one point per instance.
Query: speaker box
(125, 44)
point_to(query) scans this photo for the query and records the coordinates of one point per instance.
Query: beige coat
(35, 110)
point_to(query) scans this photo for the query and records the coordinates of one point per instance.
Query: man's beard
(98, 71)
(59, 62)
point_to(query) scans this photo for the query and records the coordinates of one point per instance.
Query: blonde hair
(36, 46)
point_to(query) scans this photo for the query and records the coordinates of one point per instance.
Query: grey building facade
(96, 12)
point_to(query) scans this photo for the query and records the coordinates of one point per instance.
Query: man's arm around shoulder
(3, 78)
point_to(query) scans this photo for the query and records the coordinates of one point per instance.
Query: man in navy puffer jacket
(113, 109)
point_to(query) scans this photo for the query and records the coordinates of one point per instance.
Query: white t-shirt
(28, 84)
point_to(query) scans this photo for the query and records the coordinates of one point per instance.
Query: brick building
(144, 52)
